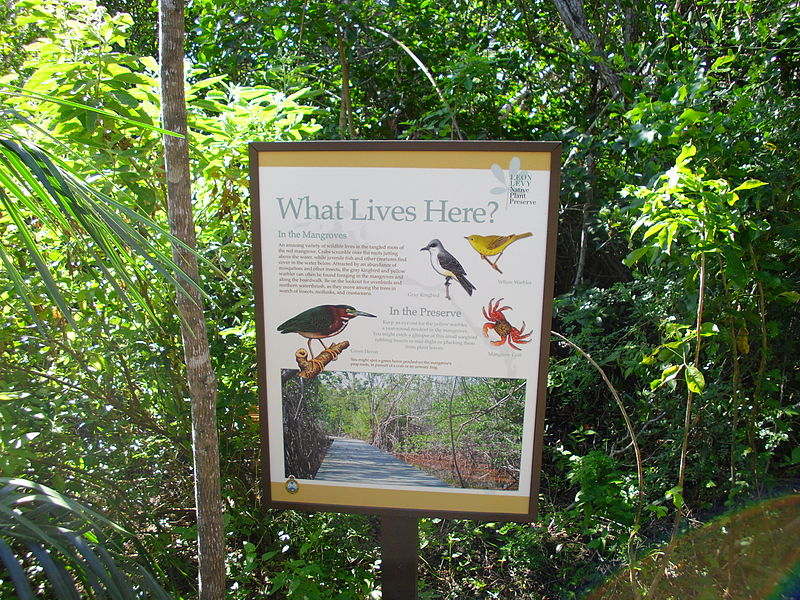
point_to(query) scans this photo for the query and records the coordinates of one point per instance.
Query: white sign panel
(421, 274)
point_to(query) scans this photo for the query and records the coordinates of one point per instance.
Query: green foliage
(108, 393)
(688, 209)
(289, 555)
(100, 409)
(601, 494)
(54, 545)
(45, 199)
(469, 559)
(715, 222)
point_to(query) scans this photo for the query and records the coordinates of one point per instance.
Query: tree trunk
(631, 27)
(587, 210)
(200, 375)
(346, 127)
(574, 17)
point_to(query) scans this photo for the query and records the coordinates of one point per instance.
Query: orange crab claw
(500, 325)
(518, 341)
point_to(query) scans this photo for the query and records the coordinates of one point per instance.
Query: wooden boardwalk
(354, 461)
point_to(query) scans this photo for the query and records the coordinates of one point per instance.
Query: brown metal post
(399, 548)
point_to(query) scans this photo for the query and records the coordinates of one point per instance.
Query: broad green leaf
(691, 115)
(791, 296)
(635, 255)
(672, 228)
(667, 375)
(749, 185)
(694, 379)
(208, 82)
(670, 373)
(654, 229)
(687, 152)
(676, 495)
(125, 98)
(658, 510)
(708, 328)
(722, 61)
(134, 78)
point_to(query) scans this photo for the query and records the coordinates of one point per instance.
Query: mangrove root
(311, 368)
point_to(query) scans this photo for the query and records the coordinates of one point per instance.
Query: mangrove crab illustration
(497, 321)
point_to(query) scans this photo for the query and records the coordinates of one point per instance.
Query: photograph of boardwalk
(393, 429)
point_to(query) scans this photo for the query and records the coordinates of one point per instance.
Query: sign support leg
(399, 548)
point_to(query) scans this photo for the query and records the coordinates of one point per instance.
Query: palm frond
(48, 539)
(35, 192)
(26, 93)
(42, 192)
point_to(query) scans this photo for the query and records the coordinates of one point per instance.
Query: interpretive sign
(403, 298)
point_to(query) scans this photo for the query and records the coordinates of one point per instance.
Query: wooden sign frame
(354, 196)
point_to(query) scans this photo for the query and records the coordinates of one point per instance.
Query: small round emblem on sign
(292, 486)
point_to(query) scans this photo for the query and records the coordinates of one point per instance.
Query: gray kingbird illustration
(446, 265)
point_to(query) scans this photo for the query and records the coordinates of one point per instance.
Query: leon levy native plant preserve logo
(516, 186)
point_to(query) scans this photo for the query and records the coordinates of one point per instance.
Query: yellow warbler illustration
(491, 245)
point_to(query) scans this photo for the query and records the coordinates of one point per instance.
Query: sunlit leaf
(694, 379)
(676, 495)
(670, 373)
(691, 115)
(722, 61)
(635, 255)
(750, 184)
(17, 91)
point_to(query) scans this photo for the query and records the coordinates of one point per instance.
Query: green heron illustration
(321, 322)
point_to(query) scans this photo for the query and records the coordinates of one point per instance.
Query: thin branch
(485, 411)
(660, 573)
(427, 72)
(453, 437)
(141, 418)
(762, 361)
(687, 423)
(628, 424)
